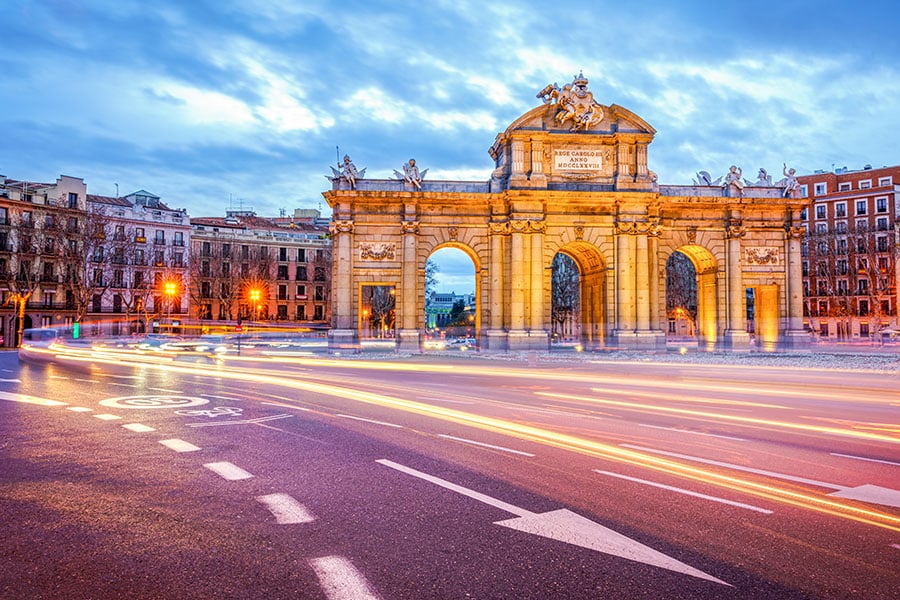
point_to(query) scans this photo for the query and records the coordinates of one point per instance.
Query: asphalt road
(439, 478)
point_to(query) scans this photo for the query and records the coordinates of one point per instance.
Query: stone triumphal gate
(571, 176)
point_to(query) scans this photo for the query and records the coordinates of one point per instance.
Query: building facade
(850, 255)
(260, 270)
(41, 228)
(139, 268)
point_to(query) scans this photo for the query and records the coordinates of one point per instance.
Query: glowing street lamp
(254, 295)
(170, 291)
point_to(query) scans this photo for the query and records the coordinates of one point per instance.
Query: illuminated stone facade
(579, 185)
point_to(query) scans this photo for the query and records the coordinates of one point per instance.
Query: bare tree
(681, 289)
(380, 301)
(566, 295)
(29, 263)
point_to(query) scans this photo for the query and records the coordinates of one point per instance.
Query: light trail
(829, 506)
(721, 417)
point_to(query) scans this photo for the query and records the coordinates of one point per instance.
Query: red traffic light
(238, 328)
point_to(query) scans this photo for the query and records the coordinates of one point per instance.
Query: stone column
(517, 287)
(736, 336)
(538, 179)
(344, 336)
(517, 176)
(625, 310)
(642, 282)
(537, 325)
(408, 336)
(653, 252)
(496, 336)
(795, 336)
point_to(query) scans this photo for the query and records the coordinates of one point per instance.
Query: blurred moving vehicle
(38, 343)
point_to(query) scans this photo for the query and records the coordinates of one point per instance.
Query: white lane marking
(493, 447)
(714, 435)
(718, 463)
(107, 417)
(447, 400)
(875, 460)
(565, 526)
(179, 445)
(458, 489)
(686, 492)
(340, 580)
(291, 406)
(59, 377)
(156, 389)
(124, 376)
(875, 494)
(243, 422)
(138, 427)
(286, 509)
(370, 421)
(79, 409)
(227, 397)
(228, 471)
(88, 380)
(129, 385)
(30, 399)
(11, 380)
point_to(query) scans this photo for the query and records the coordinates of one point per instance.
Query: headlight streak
(550, 438)
(720, 416)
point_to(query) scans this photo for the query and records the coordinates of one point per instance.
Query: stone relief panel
(377, 251)
(762, 256)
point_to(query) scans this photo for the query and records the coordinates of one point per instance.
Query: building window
(841, 227)
(804, 214)
(282, 292)
(885, 181)
(319, 293)
(820, 189)
(282, 272)
(821, 227)
(844, 187)
(301, 255)
(179, 238)
(283, 254)
(862, 207)
(73, 200)
(300, 274)
(863, 308)
(319, 312)
(804, 190)
(245, 252)
(281, 314)
(178, 259)
(881, 243)
(301, 292)
(862, 288)
(159, 259)
(881, 224)
(160, 238)
(840, 209)
(821, 211)
(226, 250)
(301, 312)
(205, 249)
(843, 287)
(865, 184)
(862, 225)
(139, 235)
(881, 205)
(842, 267)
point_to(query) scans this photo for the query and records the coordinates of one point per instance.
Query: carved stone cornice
(340, 226)
(409, 227)
(735, 232)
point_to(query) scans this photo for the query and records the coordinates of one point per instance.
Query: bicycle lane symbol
(153, 401)
(218, 411)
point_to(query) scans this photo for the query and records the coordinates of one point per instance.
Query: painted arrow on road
(566, 526)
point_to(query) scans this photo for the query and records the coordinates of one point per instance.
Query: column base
(495, 340)
(736, 340)
(408, 340)
(528, 340)
(795, 340)
(651, 339)
(343, 340)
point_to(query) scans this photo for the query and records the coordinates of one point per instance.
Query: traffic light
(76, 330)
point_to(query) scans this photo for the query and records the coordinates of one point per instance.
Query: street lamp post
(170, 289)
(254, 299)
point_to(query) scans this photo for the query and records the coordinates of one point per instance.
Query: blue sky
(219, 103)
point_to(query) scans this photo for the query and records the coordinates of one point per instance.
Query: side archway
(705, 270)
(440, 305)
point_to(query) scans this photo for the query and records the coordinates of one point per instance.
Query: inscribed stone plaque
(577, 159)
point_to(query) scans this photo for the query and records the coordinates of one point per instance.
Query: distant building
(439, 306)
(258, 269)
(850, 255)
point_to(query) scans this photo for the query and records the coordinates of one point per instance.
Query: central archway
(705, 290)
(589, 313)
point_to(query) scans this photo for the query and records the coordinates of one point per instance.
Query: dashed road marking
(79, 409)
(491, 446)
(685, 492)
(340, 580)
(156, 389)
(107, 417)
(30, 399)
(703, 433)
(138, 427)
(228, 471)
(875, 460)
(386, 424)
(179, 445)
(286, 509)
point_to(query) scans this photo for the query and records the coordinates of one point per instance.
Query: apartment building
(140, 270)
(260, 270)
(41, 228)
(850, 256)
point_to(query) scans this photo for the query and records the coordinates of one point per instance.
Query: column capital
(527, 226)
(340, 226)
(795, 233)
(411, 227)
(499, 227)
